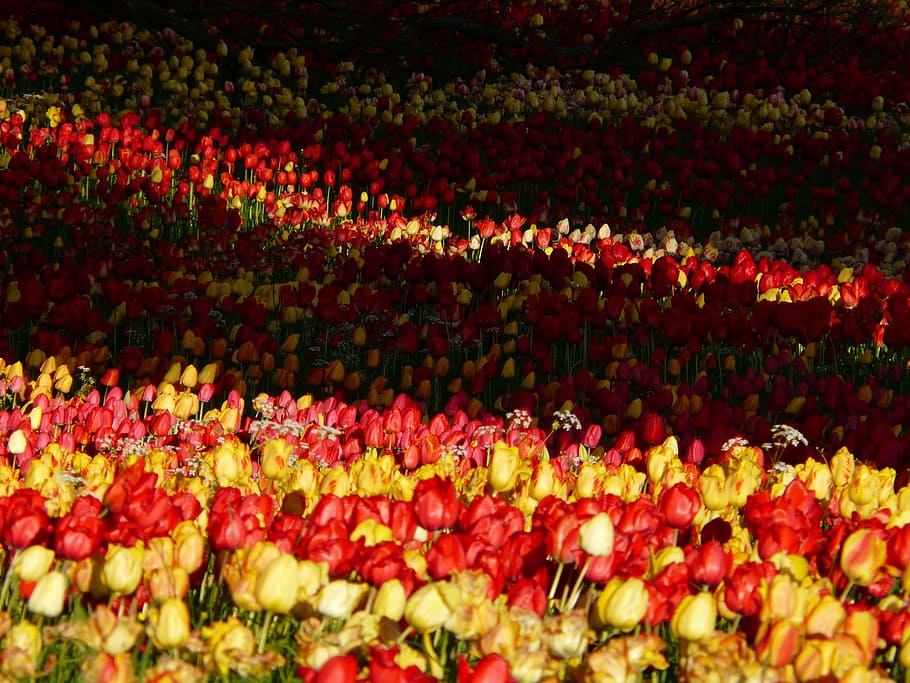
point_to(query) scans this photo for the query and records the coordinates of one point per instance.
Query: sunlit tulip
(232, 464)
(826, 617)
(275, 457)
(122, 569)
(431, 606)
(712, 487)
(680, 503)
(567, 635)
(49, 595)
(596, 535)
(863, 554)
(189, 551)
(664, 558)
(22, 650)
(339, 598)
(276, 585)
(228, 645)
(815, 659)
(504, 467)
(171, 625)
(33, 562)
(623, 603)
(780, 643)
(110, 668)
(18, 442)
(695, 617)
(390, 600)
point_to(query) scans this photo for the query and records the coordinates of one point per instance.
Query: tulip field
(331, 371)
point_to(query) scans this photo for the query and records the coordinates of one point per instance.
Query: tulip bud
(432, 605)
(23, 650)
(825, 618)
(504, 465)
(190, 376)
(172, 626)
(680, 503)
(49, 595)
(122, 569)
(543, 480)
(339, 598)
(595, 536)
(623, 603)
(390, 600)
(863, 485)
(276, 585)
(780, 644)
(862, 555)
(589, 480)
(33, 562)
(663, 558)
(275, 456)
(695, 618)
(18, 442)
(815, 660)
(712, 487)
(566, 634)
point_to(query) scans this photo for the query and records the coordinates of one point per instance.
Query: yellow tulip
(623, 603)
(695, 617)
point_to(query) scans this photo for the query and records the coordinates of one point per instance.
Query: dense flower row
(690, 141)
(515, 564)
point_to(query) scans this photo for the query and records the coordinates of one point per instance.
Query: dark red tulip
(679, 504)
(435, 502)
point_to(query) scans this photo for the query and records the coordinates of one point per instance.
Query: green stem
(555, 583)
(846, 593)
(264, 630)
(576, 589)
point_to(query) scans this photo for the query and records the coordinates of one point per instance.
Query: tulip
(435, 503)
(275, 457)
(171, 624)
(229, 644)
(712, 487)
(567, 635)
(695, 617)
(18, 442)
(680, 504)
(390, 600)
(826, 617)
(339, 598)
(122, 569)
(780, 643)
(276, 585)
(863, 554)
(504, 467)
(22, 651)
(815, 659)
(49, 595)
(709, 563)
(595, 536)
(623, 603)
(33, 562)
(431, 606)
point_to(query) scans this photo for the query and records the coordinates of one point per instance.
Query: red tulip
(679, 504)
(446, 555)
(24, 519)
(340, 668)
(709, 563)
(435, 503)
(529, 594)
(493, 668)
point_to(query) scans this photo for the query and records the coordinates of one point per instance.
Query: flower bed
(523, 376)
